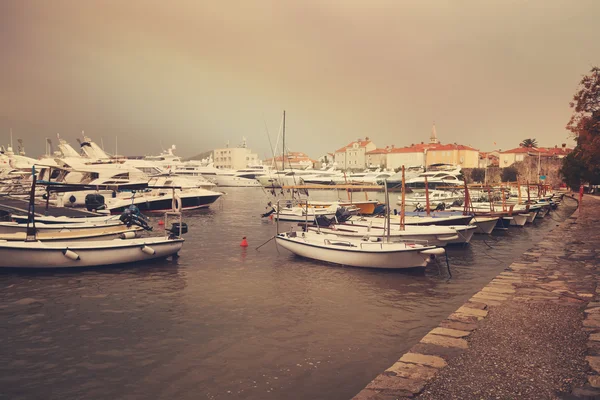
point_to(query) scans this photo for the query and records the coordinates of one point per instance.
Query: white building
(234, 157)
(408, 156)
(354, 155)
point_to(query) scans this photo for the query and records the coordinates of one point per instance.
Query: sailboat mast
(283, 147)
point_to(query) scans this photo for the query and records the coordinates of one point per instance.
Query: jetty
(532, 332)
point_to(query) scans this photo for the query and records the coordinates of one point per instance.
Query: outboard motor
(342, 214)
(419, 207)
(132, 216)
(174, 231)
(440, 207)
(94, 202)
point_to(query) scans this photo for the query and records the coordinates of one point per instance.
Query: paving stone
(472, 312)
(592, 322)
(475, 304)
(498, 290)
(595, 337)
(463, 318)
(487, 302)
(594, 362)
(594, 381)
(488, 296)
(412, 371)
(405, 387)
(450, 332)
(444, 341)
(593, 310)
(428, 360)
(586, 393)
(446, 353)
(461, 326)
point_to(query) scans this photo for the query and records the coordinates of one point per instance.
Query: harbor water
(226, 322)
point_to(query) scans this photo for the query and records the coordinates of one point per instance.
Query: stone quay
(532, 332)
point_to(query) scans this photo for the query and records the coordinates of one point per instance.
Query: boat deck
(20, 206)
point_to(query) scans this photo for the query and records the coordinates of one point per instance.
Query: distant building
(455, 154)
(509, 157)
(489, 159)
(293, 160)
(354, 154)
(234, 157)
(410, 156)
(377, 158)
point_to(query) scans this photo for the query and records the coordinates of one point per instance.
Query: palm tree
(529, 143)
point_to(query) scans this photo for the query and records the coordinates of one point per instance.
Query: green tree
(478, 175)
(509, 174)
(583, 164)
(529, 143)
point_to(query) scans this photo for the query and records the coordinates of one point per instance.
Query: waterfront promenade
(532, 332)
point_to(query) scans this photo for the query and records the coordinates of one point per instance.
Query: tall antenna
(116, 145)
(11, 142)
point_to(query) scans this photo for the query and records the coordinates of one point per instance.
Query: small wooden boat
(12, 227)
(430, 235)
(372, 253)
(22, 219)
(123, 232)
(38, 254)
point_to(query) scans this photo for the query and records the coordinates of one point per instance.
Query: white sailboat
(368, 252)
(373, 253)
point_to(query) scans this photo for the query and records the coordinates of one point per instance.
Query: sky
(148, 74)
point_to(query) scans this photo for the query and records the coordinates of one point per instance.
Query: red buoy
(244, 242)
(161, 222)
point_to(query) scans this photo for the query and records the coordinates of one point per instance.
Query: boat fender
(72, 199)
(176, 203)
(127, 235)
(148, 250)
(71, 254)
(434, 252)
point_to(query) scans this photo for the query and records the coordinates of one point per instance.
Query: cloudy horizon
(201, 74)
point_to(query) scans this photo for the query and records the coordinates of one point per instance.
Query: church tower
(433, 139)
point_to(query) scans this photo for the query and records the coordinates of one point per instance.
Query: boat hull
(362, 259)
(485, 225)
(160, 205)
(40, 255)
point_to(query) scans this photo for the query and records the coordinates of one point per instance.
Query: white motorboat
(172, 192)
(38, 254)
(302, 214)
(430, 235)
(435, 198)
(372, 253)
(435, 219)
(441, 235)
(485, 225)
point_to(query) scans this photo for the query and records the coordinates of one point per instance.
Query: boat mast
(283, 147)
(403, 202)
(427, 207)
(387, 211)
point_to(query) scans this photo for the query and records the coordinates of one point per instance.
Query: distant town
(363, 153)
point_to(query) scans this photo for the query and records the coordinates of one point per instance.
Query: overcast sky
(200, 73)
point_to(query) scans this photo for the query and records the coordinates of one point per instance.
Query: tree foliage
(529, 143)
(478, 175)
(583, 165)
(509, 174)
